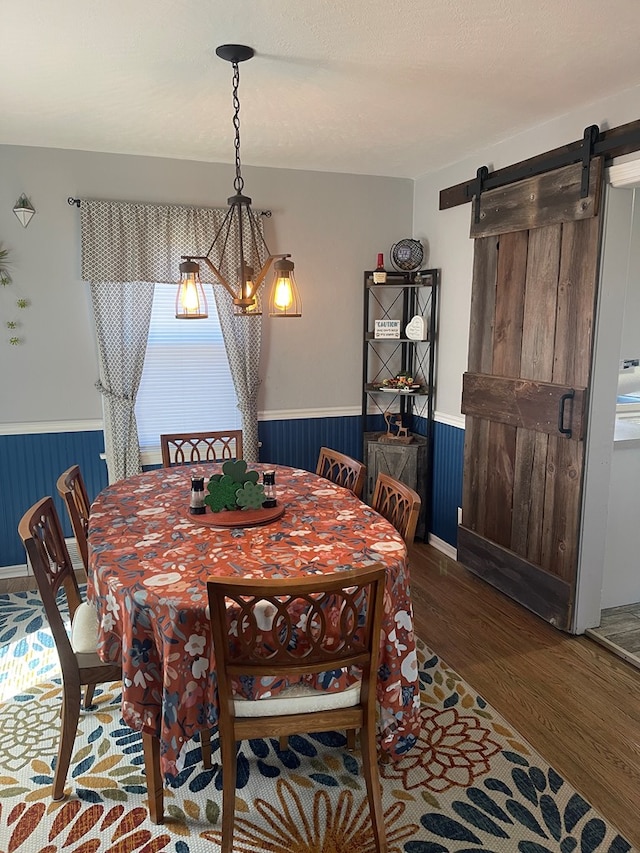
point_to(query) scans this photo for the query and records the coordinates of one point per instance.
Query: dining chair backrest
(41, 534)
(52, 569)
(187, 448)
(286, 627)
(342, 470)
(398, 503)
(73, 492)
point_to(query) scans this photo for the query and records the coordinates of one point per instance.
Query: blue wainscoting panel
(31, 464)
(29, 468)
(298, 442)
(448, 454)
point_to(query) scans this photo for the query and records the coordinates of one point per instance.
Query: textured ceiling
(385, 87)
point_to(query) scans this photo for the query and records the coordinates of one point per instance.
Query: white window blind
(186, 383)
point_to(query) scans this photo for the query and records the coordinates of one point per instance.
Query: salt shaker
(197, 505)
(269, 484)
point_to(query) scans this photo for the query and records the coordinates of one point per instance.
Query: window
(186, 383)
(629, 387)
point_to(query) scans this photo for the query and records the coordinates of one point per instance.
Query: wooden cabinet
(408, 463)
(394, 304)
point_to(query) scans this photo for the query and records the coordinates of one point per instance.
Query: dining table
(149, 561)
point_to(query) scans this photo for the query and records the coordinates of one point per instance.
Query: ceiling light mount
(239, 233)
(235, 53)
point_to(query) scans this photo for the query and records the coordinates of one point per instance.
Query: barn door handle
(561, 409)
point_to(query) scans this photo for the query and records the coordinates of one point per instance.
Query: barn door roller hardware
(589, 139)
(515, 173)
(481, 176)
(624, 139)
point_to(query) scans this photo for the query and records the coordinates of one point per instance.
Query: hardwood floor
(574, 701)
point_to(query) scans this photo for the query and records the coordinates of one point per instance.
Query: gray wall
(333, 225)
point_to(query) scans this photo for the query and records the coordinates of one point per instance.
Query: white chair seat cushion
(84, 629)
(300, 698)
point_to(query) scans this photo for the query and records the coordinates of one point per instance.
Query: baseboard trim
(441, 545)
(7, 572)
(23, 571)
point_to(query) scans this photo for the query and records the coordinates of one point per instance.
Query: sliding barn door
(524, 396)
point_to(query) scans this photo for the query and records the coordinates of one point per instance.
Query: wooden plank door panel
(524, 395)
(530, 473)
(499, 494)
(576, 302)
(562, 507)
(476, 468)
(552, 198)
(543, 592)
(524, 403)
(509, 303)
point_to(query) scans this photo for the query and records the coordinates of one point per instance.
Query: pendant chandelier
(238, 232)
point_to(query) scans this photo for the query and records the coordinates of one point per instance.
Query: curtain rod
(77, 201)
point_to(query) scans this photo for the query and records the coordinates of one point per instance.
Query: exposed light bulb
(191, 302)
(190, 294)
(283, 296)
(285, 299)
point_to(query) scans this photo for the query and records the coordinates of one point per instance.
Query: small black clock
(407, 255)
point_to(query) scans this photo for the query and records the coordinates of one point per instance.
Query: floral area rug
(471, 783)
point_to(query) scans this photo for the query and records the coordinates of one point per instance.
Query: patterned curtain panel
(121, 312)
(125, 245)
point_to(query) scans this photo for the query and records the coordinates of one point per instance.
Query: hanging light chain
(239, 181)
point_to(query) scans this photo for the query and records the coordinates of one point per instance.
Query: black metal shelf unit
(402, 297)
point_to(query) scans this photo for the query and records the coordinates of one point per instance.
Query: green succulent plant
(5, 277)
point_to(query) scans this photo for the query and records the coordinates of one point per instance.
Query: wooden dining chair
(44, 542)
(398, 503)
(187, 448)
(342, 470)
(295, 647)
(73, 492)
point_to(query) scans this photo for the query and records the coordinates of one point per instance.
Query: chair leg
(68, 729)
(229, 771)
(351, 739)
(284, 743)
(88, 695)
(370, 770)
(151, 746)
(205, 748)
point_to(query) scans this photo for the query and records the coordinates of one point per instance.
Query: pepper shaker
(197, 505)
(269, 484)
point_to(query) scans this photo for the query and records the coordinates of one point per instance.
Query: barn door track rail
(615, 142)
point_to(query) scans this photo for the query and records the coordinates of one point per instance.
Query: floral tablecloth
(149, 563)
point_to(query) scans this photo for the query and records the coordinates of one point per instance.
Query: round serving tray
(237, 517)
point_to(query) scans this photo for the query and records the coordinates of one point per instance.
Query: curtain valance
(125, 241)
